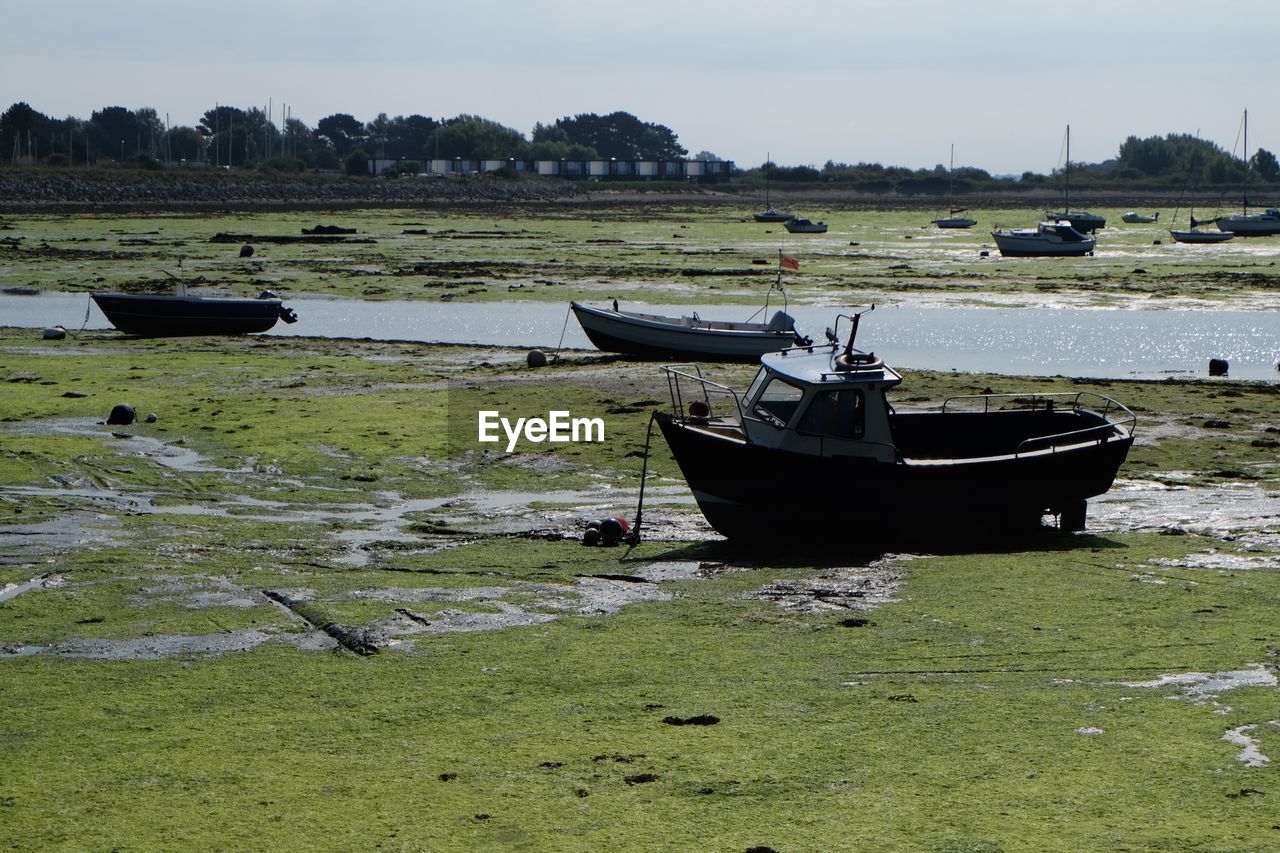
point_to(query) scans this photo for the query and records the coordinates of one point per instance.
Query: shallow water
(1094, 342)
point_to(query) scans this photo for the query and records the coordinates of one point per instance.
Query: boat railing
(1115, 416)
(688, 387)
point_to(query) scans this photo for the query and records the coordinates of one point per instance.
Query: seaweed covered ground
(673, 252)
(302, 608)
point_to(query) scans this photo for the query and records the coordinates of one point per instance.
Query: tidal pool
(1093, 342)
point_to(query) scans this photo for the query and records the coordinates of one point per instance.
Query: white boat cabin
(819, 401)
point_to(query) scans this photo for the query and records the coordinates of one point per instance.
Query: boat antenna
(853, 332)
(833, 335)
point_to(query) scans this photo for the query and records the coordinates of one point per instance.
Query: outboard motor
(781, 322)
(288, 315)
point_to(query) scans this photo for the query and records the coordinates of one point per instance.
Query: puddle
(13, 590)
(1250, 752)
(1202, 688)
(1221, 562)
(1242, 512)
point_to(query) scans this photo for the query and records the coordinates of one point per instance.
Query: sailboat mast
(768, 163)
(1067, 194)
(1244, 190)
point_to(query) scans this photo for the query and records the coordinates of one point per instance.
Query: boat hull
(1260, 225)
(771, 216)
(804, 226)
(1013, 244)
(955, 222)
(1201, 236)
(614, 331)
(748, 491)
(174, 316)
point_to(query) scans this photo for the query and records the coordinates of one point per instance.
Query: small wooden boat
(800, 225)
(174, 316)
(1048, 239)
(1137, 218)
(692, 337)
(813, 450)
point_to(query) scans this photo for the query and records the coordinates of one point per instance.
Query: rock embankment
(33, 190)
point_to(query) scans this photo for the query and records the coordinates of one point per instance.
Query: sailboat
(769, 214)
(951, 220)
(1081, 220)
(1195, 235)
(1246, 224)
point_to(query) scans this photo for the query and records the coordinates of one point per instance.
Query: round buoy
(246, 251)
(610, 531)
(121, 413)
(151, 418)
(1218, 367)
(55, 333)
(622, 521)
(699, 409)
(536, 358)
(591, 536)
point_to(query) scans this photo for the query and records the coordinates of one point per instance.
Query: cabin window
(777, 402)
(838, 414)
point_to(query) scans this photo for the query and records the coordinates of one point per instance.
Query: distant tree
(1265, 165)
(150, 133)
(706, 155)
(116, 132)
(622, 136)
(407, 136)
(357, 163)
(562, 151)
(226, 130)
(186, 143)
(21, 127)
(342, 131)
(474, 138)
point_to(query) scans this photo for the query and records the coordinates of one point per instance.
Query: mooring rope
(634, 538)
(555, 356)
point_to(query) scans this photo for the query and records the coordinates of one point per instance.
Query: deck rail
(697, 388)
(1116, 417)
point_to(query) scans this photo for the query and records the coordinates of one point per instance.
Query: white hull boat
(1048, 239)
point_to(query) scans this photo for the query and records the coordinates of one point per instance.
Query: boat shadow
(832, 551)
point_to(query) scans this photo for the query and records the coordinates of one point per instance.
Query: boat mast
(768, 162)
(1067, 193)
(1244, 189)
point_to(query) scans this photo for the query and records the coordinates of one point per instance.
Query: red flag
(788, 262)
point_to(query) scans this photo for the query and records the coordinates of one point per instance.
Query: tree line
(232, 136)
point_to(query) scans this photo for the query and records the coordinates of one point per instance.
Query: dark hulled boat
(813, 448)
(171, 316)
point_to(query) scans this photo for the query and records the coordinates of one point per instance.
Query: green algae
(668, 252)
(988, 706)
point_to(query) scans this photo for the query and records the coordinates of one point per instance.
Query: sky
(896, 82)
